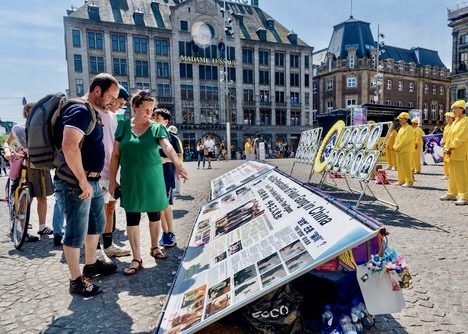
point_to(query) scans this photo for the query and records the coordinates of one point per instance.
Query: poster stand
(356, 157)
(307, 150)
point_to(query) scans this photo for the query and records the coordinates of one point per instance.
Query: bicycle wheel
(9, 201)
(21, 221)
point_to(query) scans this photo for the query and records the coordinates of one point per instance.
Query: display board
(308, 146)
(434, 147)
(253, 240)
(234, 178)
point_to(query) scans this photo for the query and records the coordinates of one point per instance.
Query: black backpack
(42, 150)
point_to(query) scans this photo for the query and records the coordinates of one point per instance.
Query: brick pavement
(431, 234)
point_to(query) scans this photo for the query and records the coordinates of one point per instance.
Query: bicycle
(19, 202)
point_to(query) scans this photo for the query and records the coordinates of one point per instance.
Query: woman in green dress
(142, 188)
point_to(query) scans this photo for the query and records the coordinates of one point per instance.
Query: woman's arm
(114, 167)
(172, 155)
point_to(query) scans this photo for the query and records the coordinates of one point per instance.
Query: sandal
(132, 270)
(45, 231)
(157, 253)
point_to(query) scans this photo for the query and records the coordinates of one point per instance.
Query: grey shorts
(40, 183)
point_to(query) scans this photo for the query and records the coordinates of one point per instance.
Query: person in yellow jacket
(449, 118)
(456, 148)
(391, 154)
(404, 147)
(418, 145)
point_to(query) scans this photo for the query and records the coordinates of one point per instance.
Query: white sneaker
(397, 184)
(101, 256)
(393, 168)
(116, 251)
(445, 177)
(448, 198)
(461, 201)
(407, 185)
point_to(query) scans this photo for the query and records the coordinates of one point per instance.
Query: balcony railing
(164, 100)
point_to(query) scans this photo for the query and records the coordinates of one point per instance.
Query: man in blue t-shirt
(163, 117)
(77, 183)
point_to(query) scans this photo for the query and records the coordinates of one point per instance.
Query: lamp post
(379, 76)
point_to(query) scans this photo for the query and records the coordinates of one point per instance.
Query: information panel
(251, 241)
(234, 178)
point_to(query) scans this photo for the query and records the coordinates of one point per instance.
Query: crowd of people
(115, 160)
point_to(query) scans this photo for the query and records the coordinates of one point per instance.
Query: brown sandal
(157, 253)
(132, 270)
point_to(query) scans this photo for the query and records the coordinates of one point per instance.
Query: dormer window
(261, 33)
(271, 23)
(93, 12)
(139, 19)
(292, 38)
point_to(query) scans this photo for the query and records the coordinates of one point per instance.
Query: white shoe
(448, 198)
(461, 202)
(116, 251)
(407, 185)
(445, 177)
(397, 184)
(101, 256)
(393, 168)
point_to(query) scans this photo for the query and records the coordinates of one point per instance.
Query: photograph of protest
(194, 296)
(299, 261)
(273, 275)
(374, 136)
(221, 257)
(184, 319)
(219, 289)
(235, 247)
(203, 224)
(246, 289)
(210, 207)
(238, 217)
(245, 275)
(434, 148)
(218, 304)
(292, 250)
(362, 138)
(269, 262)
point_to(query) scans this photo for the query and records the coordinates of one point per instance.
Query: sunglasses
(145, 93)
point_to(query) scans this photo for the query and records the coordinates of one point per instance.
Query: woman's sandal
(157, 253)
(132, 270)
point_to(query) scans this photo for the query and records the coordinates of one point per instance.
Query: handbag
(205, 151)
(15, 167)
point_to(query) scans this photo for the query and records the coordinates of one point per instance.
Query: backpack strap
(81, 101)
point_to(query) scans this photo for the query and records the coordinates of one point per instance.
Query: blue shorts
(83, 217)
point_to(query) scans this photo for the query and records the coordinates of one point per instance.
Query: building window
(263, 57)
(186, 70)
(329, 105)
(433, 112)
(76, 38)
(306, 80)
(279, 96)
(162, 47)
(411, 70)
(141, 68)
(118, 43)
(294, 79)
(96, 64)
(389, 84)
(389, 67)
(294, 97)
(78, 63)
(209, 116)
(265, 117)
(124, 84)
(79, 86)
(294, 60)
(231, 53)
(351, 102)
(207, 72)
(183, 25)
(120, 66)
(248, 95)
(209, 52)
(306, 98)
(461, 94)
(231, 73)
(314, 89)
(164, 90)
(442, 90)
(400, 103)
(185, 49)
(140, 44)
(208, 93)
(295, 117)
(401, 68)
(434, 90)
(186, 92)
(280, 117)
(142, 86)
(188, 115)
(400, 86)
(264, 77)
(162, 70)
(94, 40)
(264, 95)
(247, 56)
(411, 87)
(411, 104)
(306, 61)
(329, 84)
(247, 76)
(279, 59)
(441, 112)
(388, 102)
(351, 61)
(351, 83)
(426, 88)
(249, 117)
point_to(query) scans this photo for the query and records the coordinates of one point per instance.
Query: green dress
(142, 178)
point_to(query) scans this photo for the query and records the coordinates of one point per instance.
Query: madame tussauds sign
(205, 60)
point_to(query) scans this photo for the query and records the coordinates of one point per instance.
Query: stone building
(458, 21)
(197, 57)
(348, 73)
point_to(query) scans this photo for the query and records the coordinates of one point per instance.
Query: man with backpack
(77, 182)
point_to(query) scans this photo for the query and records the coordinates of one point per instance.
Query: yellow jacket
(445, 134)
(458, 139)
(391, 139)
(404, 142)
(418, 137)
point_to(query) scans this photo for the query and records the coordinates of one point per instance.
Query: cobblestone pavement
(431, 234)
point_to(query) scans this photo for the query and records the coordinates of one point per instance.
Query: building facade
(349, 73)
(207, 61)
(458, 18)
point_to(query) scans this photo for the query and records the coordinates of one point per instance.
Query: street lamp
(379, 76)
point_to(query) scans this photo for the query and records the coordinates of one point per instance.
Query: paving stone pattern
(431, 234)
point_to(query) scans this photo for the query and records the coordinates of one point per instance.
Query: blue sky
(33, 57)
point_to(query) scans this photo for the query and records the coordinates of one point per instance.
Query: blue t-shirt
(92, 150)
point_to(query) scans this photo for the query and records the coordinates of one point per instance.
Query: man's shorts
(40, 183)
(105, 191)
(210, 155)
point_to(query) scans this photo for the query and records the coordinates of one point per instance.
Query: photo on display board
(368, 165)
(345, 137)
(331, 160)
(218, 304)
(246, 289)
(299, 261)
(362, 137)
(273, 275)
(219, 289)
(268, 263)
(184, 319)
(238, 217)
(292, 250)
(356, 164)
(374, 137)
(315, 137)
(244, 275)
(339, 161)
(353, 137)
(348, 159)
